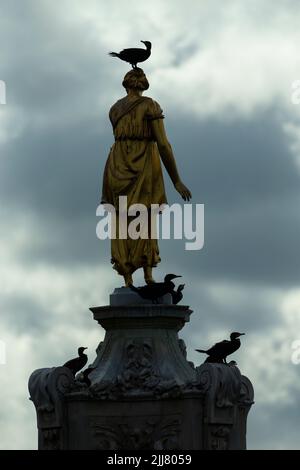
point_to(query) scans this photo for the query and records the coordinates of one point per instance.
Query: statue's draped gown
(133, 169)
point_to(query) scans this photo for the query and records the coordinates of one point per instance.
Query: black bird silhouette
(134, 55)
(84, 375)
(75, 365)
(220, 351)
(156, 290)
(177, 296)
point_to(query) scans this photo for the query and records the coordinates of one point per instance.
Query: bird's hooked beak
(85, 348)
(242, 334)
(171, 277)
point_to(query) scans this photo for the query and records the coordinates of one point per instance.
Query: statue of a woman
(133, 169)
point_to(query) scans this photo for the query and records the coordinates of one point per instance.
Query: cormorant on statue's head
(133, 55)
(235, 335)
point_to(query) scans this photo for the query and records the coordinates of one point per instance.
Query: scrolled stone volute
(47, 388)
(228, 398)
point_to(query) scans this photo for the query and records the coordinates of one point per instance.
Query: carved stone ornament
(219, 439)
(140, 434)
(47, 388)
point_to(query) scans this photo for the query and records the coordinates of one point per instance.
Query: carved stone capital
(228, 398)
(141, 354)
(47, 388)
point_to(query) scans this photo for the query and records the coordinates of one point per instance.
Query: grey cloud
(274, 427)
(24, 315)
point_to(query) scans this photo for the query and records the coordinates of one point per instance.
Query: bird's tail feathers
(200, 351)
(114, 54)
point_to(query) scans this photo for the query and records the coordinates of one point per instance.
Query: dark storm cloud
(247, 178)
(48, 63)
(55, 173)
(234, 163)
(241, 310)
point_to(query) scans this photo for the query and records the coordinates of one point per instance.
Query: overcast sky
(222, 72)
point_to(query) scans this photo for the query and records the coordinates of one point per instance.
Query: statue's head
(135, 80)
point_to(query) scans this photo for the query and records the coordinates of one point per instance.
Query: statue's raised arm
(167, 156)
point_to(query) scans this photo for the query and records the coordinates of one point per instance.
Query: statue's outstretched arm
(168, 158)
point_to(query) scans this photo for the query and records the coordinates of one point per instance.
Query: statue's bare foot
(128, 280)
(148, 275)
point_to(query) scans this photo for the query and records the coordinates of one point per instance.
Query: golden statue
(133, 169)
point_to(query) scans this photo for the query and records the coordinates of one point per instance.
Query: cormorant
(75, 365)
(177, 296)
(84, 375)
(220, 351)
(134, 55)
(156, 290)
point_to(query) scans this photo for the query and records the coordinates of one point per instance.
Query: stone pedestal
(143, 393)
